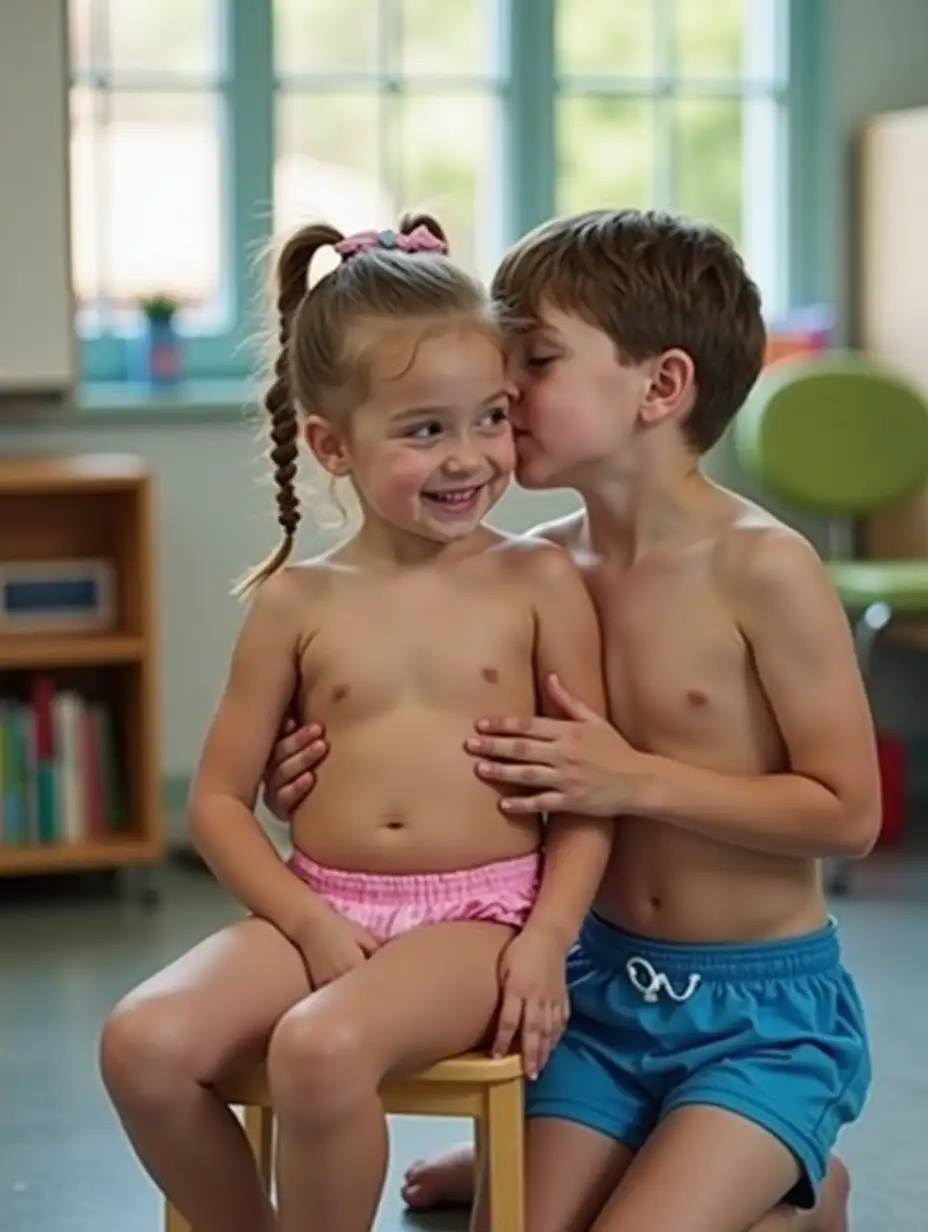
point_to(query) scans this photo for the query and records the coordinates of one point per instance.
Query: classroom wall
(215, 516)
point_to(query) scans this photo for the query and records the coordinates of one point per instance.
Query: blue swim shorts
(771, 1031)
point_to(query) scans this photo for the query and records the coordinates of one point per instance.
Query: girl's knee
(146, 1052)
(318, 1069)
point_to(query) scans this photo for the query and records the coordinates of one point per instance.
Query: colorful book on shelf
(58, 767)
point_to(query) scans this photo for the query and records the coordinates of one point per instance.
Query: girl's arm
(261, 682)
(568, 645)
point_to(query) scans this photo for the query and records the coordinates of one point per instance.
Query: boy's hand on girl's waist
(580, 764)
(290, 772)
(534, 1003)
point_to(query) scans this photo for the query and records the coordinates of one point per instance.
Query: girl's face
(430, 451)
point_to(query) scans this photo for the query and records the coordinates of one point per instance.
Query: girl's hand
(332, 946)
(534, 997)
(289, 775)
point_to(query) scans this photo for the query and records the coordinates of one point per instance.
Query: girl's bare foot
(448, 1180)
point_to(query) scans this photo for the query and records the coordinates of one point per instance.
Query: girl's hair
(320, 365)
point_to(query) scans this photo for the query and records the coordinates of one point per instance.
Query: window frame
(527, 151)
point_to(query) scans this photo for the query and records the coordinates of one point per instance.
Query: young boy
(716, 1044)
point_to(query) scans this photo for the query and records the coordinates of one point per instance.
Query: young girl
(381, 945)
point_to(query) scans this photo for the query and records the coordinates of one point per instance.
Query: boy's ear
(670, 390)
(327, 446)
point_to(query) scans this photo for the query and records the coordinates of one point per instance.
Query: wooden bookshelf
(91, 507)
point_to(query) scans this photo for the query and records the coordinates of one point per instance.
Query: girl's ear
(327, 445)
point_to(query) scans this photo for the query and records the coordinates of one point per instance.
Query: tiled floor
(67, 953)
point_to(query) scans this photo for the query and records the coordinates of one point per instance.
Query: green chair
(842, 437)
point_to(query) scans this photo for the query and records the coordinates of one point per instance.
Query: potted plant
(158, 358)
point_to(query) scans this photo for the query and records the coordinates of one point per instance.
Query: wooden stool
(486, 1090)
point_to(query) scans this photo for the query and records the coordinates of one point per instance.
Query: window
(201, 127)
(682, 104)
(398, 108)
(148, 114)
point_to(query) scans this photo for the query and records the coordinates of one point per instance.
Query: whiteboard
(37, 350)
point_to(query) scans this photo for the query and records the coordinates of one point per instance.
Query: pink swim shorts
(388, 905)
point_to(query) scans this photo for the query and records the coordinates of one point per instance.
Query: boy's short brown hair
(651, 281)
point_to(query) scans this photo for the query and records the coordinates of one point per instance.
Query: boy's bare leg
(446, 1179)
(707, 1170)
(572, 1172)
(830, 1215)
(427, 995)
(449, 1179)
(211, 1010)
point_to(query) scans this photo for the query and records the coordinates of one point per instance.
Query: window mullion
(528, 151)
(249, 168)
(810, 156)
(665, 117)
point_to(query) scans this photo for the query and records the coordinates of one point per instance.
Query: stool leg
(174, 1220)
(259, 1129)
(505, 1157)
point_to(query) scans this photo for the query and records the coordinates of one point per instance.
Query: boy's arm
(829, 801)
(261, 682)
(568, 645)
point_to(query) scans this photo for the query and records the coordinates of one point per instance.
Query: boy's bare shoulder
(759, 557)
(564, 531)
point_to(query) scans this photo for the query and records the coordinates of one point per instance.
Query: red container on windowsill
(891, 752)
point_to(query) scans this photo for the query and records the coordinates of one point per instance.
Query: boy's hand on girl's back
(534, 1002)
(332, 945)
(290, 776)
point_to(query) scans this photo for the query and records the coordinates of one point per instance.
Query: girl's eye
(423, 432)
(495, 417)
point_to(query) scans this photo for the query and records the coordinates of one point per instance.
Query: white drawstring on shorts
(650, 982)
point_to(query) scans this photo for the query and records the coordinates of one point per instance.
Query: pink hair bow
(420, 239)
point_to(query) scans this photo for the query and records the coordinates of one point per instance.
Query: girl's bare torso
(398, 666)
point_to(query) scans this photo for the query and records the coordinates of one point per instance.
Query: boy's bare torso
(398, 664)
(681, 684)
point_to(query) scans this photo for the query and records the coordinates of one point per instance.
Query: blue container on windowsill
(154, 353)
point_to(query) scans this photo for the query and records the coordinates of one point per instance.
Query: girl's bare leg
(427, 995)
(208, 1012)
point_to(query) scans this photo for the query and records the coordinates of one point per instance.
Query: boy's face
(579, 405)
